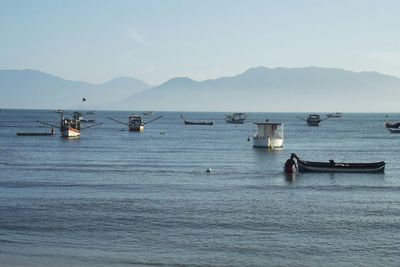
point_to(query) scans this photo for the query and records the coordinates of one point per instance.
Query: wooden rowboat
(331, 166)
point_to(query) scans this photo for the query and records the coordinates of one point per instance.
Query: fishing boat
(334, 115)
(332, 166)
(237, 118)
(269, 135)
(135, 122)
(69, 127)
(197, 122)
(313, 119)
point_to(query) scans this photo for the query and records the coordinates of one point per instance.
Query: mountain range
(261, 89)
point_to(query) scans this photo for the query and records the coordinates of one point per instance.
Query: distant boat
(313, 119)
(148, 113)
(331, 166)
(197, 122)
(269, 135)
(52, 132)
(79, 116)
(58, 111)
(392, 125)
(334, 115)
(135, 122)
(237, 118)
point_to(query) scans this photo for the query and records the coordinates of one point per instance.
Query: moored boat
(334, 115)
(269, 135)
(237, 118)
(332, 166)
(135, 122)
(70, 127)
(186, 122)
(313, 119)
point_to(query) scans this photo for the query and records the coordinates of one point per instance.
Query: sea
(120, 198)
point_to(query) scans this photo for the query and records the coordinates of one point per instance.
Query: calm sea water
(119, 198)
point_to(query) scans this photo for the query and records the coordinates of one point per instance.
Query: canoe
(186, 122)
(34, 134)
(331, 166)
(199, 122)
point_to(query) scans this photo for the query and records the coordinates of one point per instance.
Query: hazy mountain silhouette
(257, 89)
(277, 89)
(35, 89)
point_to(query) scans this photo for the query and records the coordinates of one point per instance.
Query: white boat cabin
(269, 135)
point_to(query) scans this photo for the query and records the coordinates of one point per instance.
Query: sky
(156, 40)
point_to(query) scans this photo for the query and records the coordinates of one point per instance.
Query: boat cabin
(269, 135)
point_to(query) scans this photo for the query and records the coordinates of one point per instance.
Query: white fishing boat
(269, 135)
(70, 127)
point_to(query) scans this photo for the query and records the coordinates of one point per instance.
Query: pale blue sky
(154, 41)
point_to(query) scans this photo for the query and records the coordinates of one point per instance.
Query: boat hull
(394, 130)
(331, 166)
(70, 133)
(199, 123)
(136, 128)
(267, 142)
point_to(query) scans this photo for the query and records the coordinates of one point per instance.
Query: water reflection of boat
(237, 118)
(332, 166)
(197, 122)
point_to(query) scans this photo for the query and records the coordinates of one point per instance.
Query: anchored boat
(269, 135)
(237, 118)
(332, 166)
(313, 119)
(69, 127)
(135, 122)
(334, 115)
(197, 122)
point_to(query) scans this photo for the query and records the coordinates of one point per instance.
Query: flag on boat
(83, 99)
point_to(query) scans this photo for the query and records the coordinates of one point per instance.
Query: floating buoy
(209, 170)
(248, 138)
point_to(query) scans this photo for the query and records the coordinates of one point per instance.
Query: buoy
(248, 138)
(209, 170)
